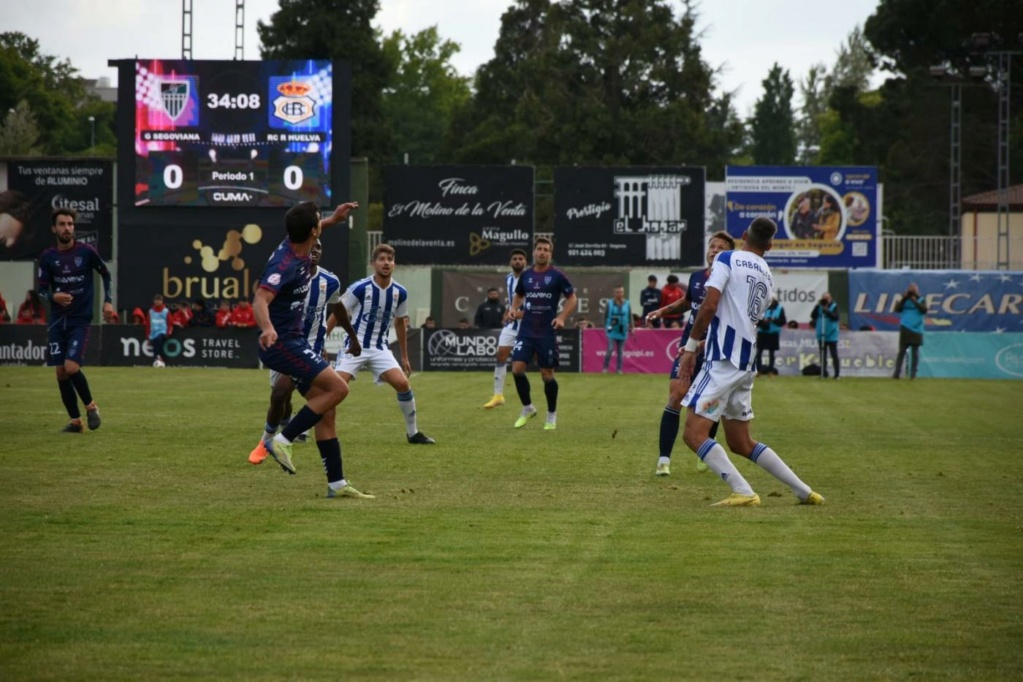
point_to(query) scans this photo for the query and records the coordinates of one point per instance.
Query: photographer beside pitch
(911, 329)
(825, 321)
(737, 293)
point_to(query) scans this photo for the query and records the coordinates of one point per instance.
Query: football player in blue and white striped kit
(510, 330)
(738, 291)
(373, 304)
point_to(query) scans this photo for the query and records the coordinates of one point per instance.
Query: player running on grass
(738, 291)
(373, 304)
(284, 347)
(323, 292)
(678, 384)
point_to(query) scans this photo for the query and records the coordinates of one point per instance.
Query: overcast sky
(744, 37)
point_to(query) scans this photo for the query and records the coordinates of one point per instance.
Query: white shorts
(375, 360)
(508, 336)
(721, 390)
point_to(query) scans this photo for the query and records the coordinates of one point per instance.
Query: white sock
(552, 416)
(664, 460)
(279, 438)
(407, 403)
(528, 409)
(500, 371)
(337, 485)
(769, 461)
(713, 455)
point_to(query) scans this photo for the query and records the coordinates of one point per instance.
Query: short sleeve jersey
(287, 276)
(373, 308)
(511, 281)
(695, 293)
(71, 272)
(541, 291)
(747, 286)
(323, 291)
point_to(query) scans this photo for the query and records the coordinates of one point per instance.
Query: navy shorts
(294, 358)
(67, 342)
(696, 368)
(545, 350)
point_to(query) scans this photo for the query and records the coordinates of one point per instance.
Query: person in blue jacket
(825, 320)
(769, 336)
(911, 329)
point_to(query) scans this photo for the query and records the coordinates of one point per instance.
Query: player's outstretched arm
(401, 331)
(339, 215)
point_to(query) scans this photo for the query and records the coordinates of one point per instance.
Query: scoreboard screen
(233, 133)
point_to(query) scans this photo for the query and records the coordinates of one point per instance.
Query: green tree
(808, 126)
(19, 133)
(51, 88)
(772, 128)
(426, 91)
(854, 64)
(340, 30)
(597, 81)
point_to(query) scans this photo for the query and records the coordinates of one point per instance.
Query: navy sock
(669, 430)
(522, 386)
(550, 389)
(81, 386)
(300, 423)
(330, 453)
(68, 397)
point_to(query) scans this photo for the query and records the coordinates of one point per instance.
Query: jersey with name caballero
(541, 292)
(373, 308)
(747, 286)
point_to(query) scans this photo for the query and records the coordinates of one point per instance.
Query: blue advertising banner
(828, 217)
(957, 300)
(974, 356)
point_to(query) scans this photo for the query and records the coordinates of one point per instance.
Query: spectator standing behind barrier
(669, 294)
(490, 313)
(650, 300)
(911, 329)
(769, 336)
(223, 317)
(5, 316)
(243, 316)
(159, 330)
(617, 324)
(825, 320)
(31, 310)
(201, 315)
(429, 323)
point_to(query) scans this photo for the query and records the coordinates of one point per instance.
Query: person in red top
(139, 317)
(671, 293)
(242, 316)
(31, 309)
(224, 315)
(180, 314)
(5, 316)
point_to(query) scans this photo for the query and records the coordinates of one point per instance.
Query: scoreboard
(233, 133)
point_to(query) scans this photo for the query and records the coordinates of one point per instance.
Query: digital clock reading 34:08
(226, 101)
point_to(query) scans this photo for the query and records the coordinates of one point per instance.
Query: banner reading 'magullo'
(458, 215)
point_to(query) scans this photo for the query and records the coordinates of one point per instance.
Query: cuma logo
(1010, 360)
(172, 348)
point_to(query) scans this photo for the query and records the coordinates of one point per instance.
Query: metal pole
(1003, 83)
(955, 177)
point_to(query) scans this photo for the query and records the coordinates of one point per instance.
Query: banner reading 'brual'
(629, 216)
(458, 215)
(828, 217)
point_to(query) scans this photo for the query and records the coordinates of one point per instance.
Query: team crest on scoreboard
(293, 103)
(174, 97)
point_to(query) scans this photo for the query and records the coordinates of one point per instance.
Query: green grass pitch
(151, 549)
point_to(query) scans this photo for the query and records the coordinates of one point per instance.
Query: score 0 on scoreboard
(233, 133)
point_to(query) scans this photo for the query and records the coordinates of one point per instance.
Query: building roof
(988, 201)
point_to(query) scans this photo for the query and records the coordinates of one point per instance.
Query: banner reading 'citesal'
(828, 217)
(629, 216)
(458, 215)
(36, 188)
(957, 300)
